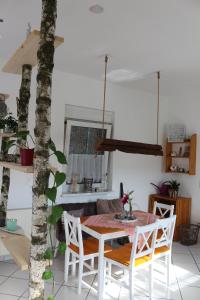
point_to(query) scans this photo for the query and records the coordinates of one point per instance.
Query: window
(84, 163)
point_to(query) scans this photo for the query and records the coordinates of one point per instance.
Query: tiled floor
(185, 281)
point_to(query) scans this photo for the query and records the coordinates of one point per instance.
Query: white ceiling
(140, 35)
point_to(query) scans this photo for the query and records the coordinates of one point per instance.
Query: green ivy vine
(53, 218)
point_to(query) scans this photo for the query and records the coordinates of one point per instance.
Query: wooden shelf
(27, 53)
(177, 156)
(6, 134)
(190, 147)
(4, 97)
(16, 167)
(185, 142)
(18, 247)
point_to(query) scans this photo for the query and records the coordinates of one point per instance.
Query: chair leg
(66, 272)
(80, 275)
(109, 269)
(56, 248)
(150, 281)
(168, 258)
(92, 263)
(131, 288)
(73, 265)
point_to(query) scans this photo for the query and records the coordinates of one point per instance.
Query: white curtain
(86, 166)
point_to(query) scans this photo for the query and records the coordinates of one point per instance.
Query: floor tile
(71, 293)
(8, 297)
(190, 293)
(14, 286)
(21, 274)
(6, 269)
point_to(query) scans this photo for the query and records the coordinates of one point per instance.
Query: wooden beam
(129, 147)
(27, 53)
(4, 97)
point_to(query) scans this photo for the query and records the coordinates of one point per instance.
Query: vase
(26, 156)
(130, 209)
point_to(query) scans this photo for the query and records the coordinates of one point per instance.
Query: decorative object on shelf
(173, 154)
(11, 224)
(162, 188)
(128, 146)
(173, 168)
(74, 184)
(181, 170)
(180, 152)
(127, 200)
(176, 133)
(173, 188)
(11, 124)
(88, 184)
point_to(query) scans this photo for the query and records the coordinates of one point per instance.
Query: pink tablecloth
(108, 220)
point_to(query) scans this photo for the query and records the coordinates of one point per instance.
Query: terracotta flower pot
(26, 156)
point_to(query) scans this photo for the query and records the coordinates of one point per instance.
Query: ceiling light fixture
(129, 146)
(96, 9)
(121, 75)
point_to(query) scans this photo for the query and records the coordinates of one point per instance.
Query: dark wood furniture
(182, 209)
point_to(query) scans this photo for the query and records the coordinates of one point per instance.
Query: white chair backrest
(163, 209)
(144, 241)
(165, 232)
(73, 232)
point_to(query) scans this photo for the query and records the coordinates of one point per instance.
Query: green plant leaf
(47, 275)
(8, 144)
(60, 178)
(61, 157)
(55, 215)
(48, 254)
(62, 247)
(52, 145)
(22, 134)
(51, 193)
(51, 298)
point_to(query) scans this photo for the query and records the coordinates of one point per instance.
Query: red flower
(124, 199)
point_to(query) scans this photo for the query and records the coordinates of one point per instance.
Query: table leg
(101, 269)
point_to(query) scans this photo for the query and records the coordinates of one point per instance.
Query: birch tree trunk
(42, 136)
(4, 187)
(23, 101)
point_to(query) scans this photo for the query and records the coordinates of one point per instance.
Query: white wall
(185, 110)
(135, 119)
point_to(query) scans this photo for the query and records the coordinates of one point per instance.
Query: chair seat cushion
(122, 255)
(90, 246)
(161, 250)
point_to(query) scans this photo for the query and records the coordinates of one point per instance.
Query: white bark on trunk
(42, 137)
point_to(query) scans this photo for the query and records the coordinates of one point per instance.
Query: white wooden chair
(163, 209)
(134, 256)
(80, 250)
(163, 243)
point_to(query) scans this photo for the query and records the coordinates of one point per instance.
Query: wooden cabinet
(182, 155)
(182, 209)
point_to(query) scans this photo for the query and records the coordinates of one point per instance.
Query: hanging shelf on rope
(129, 146)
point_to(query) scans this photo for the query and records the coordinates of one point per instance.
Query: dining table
(107, 227)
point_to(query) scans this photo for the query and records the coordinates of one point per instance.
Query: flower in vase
(127, 198)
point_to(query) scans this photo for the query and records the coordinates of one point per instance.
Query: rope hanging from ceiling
(129, 146)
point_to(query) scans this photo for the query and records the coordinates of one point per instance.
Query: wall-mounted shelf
(16, 167)
(27, 53)
(4, 97)
(189, 148)
(6, 134)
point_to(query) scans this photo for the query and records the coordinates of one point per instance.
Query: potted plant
(162, 188)
(10, 124)
(26, 153)
(173, 188)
